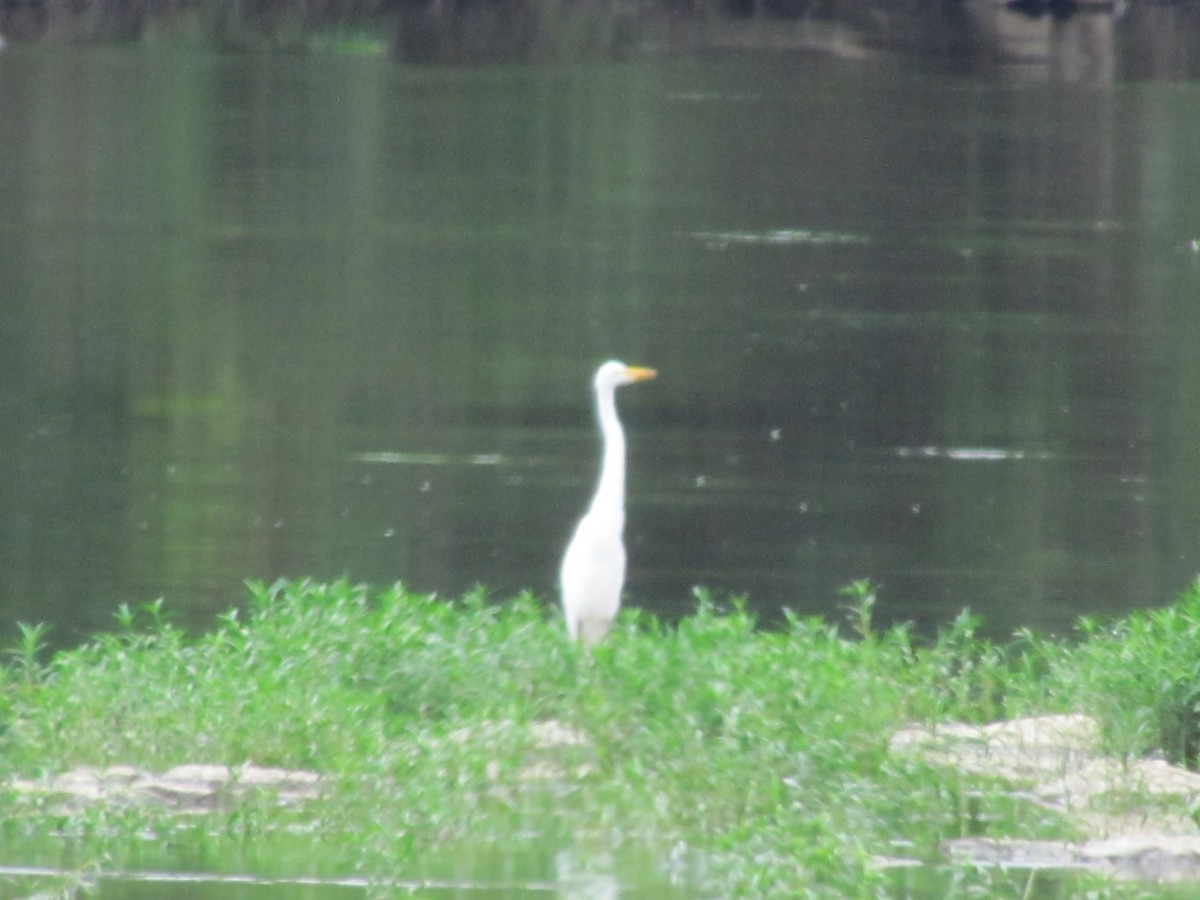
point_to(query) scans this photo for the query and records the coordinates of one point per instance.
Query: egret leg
(593, 630)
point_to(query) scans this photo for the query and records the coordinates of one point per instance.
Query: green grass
(758, 758)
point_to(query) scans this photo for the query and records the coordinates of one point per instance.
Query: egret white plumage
(593, 568)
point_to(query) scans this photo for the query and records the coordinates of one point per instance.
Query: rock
(1137, 812)
(1019, 749)
(550, 733)
(188, 788)
(1143, 858)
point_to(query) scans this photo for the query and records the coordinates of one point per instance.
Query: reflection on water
(319, 317)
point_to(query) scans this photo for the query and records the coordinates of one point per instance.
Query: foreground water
(226, 873)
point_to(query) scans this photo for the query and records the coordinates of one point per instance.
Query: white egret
(593, 568)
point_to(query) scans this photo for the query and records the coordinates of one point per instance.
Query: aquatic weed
(762, 756)
(1140, 676)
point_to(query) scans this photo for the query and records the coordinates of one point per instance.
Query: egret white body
(593, 569)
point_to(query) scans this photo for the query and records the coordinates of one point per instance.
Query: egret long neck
(610, 492)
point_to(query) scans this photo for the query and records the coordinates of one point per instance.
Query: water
(314, 317)
(268, 867)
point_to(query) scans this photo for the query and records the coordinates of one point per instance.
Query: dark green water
(269, 315)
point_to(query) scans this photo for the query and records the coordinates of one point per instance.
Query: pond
(318, 316)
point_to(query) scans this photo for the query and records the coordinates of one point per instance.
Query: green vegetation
(744, 762)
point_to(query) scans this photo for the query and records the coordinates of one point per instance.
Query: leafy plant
(744, 761)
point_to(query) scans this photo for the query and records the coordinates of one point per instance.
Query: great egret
(593, 568)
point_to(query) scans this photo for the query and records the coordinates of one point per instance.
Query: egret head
(614, 374)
